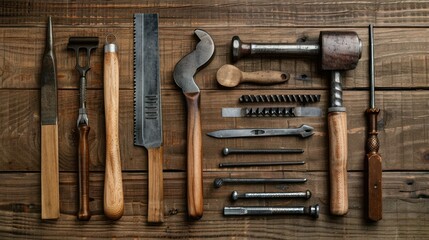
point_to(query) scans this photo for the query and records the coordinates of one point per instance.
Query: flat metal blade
(303, 131)
(147, 85)
(272, 112)
(49, 82)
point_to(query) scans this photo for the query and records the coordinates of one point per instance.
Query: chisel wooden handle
(113, 192)
(84, 213)
(374, 161)
(49, 172)
(337, 124)
(194, 162)
(155, 212)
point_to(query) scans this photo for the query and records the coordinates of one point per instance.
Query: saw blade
(147, 97)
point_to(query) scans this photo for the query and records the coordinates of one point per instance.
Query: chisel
(50, 202)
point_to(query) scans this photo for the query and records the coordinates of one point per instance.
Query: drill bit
(303, 99)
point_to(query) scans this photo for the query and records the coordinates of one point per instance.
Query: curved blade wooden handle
(50, 202)
(337, 124)
(374, 163)
(194, 162)
(84, 213)
(155, 212)
(113, 192)
(265, 77)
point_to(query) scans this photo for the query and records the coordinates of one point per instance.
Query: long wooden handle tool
(50, 202)
(87, 44)
(183, 75)
(113, 192)
(373, 158)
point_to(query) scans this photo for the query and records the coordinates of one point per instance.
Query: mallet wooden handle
(84, 213)
(155, 212)
(337, 124)
(49, 172)
(194, 162)
(113, 192)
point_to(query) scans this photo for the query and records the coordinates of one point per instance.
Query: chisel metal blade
(272, 112)
(303, 131)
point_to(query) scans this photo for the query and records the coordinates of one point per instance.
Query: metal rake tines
(304, 98)
(269, 112)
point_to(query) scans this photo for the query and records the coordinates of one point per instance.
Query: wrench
(183, 74)
(303, 131)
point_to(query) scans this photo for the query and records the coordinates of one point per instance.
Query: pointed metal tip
(49, 34)
(212, 134)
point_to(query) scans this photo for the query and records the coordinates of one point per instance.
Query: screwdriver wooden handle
(155, 212)
(84, 213)
(113, 192)
(374, 170)
(50, 202)
(194, 158)
(337, 124)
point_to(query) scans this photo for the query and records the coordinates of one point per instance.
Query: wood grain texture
(230, 76)
(338, 157)
(402, 76)
(83, 159)
(398, 63)
(405, 200)
(113, 192)
(155, 211)
(194, 168)
(49, 171)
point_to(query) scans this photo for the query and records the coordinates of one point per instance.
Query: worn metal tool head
(189, 65)
(83, 43)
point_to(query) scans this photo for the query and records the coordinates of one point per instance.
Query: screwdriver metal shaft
(312, 211)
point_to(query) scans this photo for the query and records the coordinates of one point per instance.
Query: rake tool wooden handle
(49, 172)
(337, 124)
(113, 192)
(374, 161)
(155, 212)
(84, 213)
(194, 162)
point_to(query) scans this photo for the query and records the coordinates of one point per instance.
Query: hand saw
(147, 108)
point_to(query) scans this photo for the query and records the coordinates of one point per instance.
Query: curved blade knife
(183, 75)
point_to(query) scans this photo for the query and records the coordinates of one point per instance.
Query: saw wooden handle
(337, 124)
(374, 164)
(84, 213)
(155, 212)
(50, 202)
(194, 158)
(113, 192)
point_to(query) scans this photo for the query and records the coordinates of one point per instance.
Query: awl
(303, 131)
(50, 202)
(373, 158)
(147, 108)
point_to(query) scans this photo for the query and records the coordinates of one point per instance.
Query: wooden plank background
(401, 48)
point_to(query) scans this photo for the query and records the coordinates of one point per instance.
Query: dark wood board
(402, 80)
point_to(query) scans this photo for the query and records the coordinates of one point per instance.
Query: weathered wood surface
(402, 70)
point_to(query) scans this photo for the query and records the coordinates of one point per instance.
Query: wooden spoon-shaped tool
(230, 76)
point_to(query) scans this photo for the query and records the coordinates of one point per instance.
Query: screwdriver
(373, 158)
